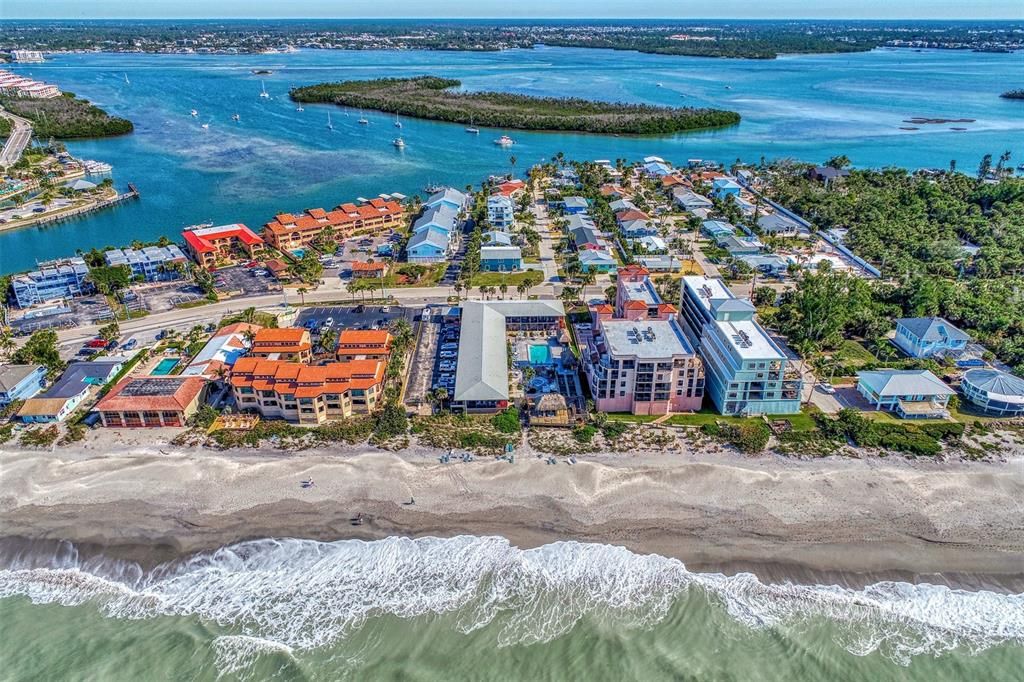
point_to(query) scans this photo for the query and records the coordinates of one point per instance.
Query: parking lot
(166, 295)
(249, 281)
(353, 317)
(73, 313)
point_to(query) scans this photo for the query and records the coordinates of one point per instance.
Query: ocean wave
(289, 594)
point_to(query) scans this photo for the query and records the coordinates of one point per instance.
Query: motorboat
(399, 143)
(504, 141)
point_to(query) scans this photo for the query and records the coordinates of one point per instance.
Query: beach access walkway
(21, 133)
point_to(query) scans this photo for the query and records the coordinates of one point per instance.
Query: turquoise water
(165, 366)
(477, 608)
(278, 159)
(539, 355)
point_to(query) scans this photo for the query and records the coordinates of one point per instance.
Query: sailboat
(299, 108)
(263, 90)
(471, 130)
(206, 126)
(330, 126)
(194, 113)
(398, 124)
(128, 82)
(362, 119)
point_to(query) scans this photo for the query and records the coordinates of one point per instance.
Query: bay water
(275, 158)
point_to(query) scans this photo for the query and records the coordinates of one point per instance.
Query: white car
(827, 388)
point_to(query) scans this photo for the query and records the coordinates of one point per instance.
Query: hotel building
(289, 344)
(364, 344)
(746, 371)
(287, 232)
(52, 281)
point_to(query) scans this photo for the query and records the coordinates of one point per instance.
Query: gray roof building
(482, 373)
(933, 329)
(80, 375)
(774, 223)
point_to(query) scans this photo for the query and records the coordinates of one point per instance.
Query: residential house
(364, 344)
(500, 258)
(612, 191)
(585, 237)
(635, 229)
(369, 269)
(449, 196)
(575, 205)
(597, 260)
(501, 212)
(656, 168)
(620, 205)
(827, 174)
(428, 246)
(150, 263)
(152, 401)
(717, 228)
(20, 382)
(777, 224)
(52, 281)
(923, 337)
(221, 352)
(739, 246)
(495, 238)
(910, 393)
(69, 391)
(652, 245)
(510, 188)
(289, 344)
(308, 395)
(210, 245)
(995, 393)
(746, 371)
(722, 188)
(771, 265)
(688, 200)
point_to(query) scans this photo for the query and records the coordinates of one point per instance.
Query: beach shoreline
(835, 520)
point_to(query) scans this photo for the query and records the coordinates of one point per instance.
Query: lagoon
(274, 159)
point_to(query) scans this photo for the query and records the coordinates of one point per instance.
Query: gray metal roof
(431, 236)
(536, 308)
(80, 375)
(583, 235)
(12, 375)
(490, 252)
(774, 222)
(448, 194)
(482, 373)
(932, 329)
(441, 215)
(897, 382)
(996, 383)
(498, 238)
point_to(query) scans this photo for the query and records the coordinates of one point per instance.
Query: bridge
(21, 133)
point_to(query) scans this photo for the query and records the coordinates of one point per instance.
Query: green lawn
(494, 279)
(854, 351)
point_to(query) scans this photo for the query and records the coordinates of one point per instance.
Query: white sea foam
(301, 594)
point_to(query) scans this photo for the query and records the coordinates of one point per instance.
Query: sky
(632, 9)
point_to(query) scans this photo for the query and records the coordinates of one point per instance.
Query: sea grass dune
(437, 99)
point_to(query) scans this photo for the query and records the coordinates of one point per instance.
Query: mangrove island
(1013, 94)
(66, 117)
(434, 98)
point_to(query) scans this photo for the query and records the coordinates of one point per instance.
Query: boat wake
(289, 595)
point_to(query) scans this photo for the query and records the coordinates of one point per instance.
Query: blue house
(53, 281)
(500, 258)
(448, 196)
(724, 187)
(923, 337)
(20, 382)
(575, 205)
(440, 216)
(68, 392)
(596, 260)
(717, 228)
(428, 246)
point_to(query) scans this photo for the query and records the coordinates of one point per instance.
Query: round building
(996, 393)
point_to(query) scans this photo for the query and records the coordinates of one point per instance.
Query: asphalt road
(21, 133)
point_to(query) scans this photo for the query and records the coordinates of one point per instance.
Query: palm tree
(249, 315)
(503, 288)
(522, 288)
(302, 294)
(249, 336)
(458, 286)
(441, 394)
(512, 162)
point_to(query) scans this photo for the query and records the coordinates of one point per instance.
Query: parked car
(96, 343)
(130, 344)
(828, 389)
(328, 323)
(359, 308)
(448, 354)
(88, 351)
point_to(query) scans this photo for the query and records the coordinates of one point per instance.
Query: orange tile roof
(667, 308)
(284, 218)
(631, 214)
(636, 305)
(344, 214)
(634, 269)
(604, 308)
(377, 338)
(187, 390)
(306, 381)
(282, 334)
(316, 212)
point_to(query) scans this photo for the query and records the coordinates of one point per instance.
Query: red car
(96, 343)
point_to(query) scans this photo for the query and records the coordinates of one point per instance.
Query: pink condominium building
(637, 358)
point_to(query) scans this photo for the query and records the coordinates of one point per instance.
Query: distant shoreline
(851, 521)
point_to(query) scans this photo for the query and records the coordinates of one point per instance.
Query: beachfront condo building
(746, 371)
(152, 401)
(289, 344)
(214, 246)
(288, 232)
(305, 394)
(52, 281)
(636, 357)
(364, 344)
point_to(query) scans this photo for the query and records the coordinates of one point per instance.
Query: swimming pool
(299, 253)
(539, 355)
(165, 366)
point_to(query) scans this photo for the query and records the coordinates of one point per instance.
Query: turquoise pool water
(540, 355)
(299, 253)
(165, 366)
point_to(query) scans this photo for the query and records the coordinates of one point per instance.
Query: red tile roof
(633, 269)
(282, 335)
(360, 266)
(201, 240)
(341, 216)
(631, 214)
(351, 339)
(180, 392)
(305, 381)
(510, 187)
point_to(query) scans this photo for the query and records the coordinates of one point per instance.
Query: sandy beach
(721, 511)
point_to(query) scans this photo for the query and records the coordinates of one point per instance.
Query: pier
(132, 193)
